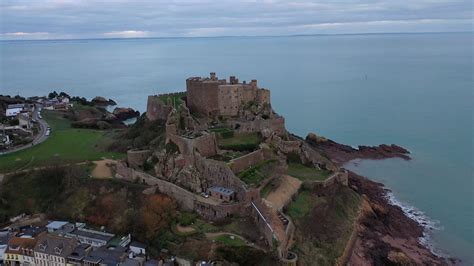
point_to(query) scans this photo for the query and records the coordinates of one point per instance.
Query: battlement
(214, 96)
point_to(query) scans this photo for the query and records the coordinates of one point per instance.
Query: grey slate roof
(222, 190)
(80, 252)
(137, 244)
(92, 234)
(55, 245)
(105, 255)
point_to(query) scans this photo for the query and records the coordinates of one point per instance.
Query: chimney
(213, 76)
(232, 79)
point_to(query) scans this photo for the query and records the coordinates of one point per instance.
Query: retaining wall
(240, 164)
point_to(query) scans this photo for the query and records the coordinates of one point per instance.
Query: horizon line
(239, 36)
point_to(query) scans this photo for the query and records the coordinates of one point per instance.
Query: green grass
(266, 190)
(228, 241)
(303, 204)
(240, 142)
(205, 227)
(305, 173)
(256, 174)
(65, 145)
(175, 99)
(324, 224)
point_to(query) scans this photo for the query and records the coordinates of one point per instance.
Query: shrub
(186, 219)
(293, 157)
(227, 134)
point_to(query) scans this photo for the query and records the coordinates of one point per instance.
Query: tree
(52, 95)
(157, 214)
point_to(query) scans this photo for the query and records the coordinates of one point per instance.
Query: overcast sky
(52, 19)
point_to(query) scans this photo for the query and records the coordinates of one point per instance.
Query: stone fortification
(156, 109)
(248, 160)
(213, 97)
(205, 144)
(276, 124)
(137, 158)
(207, 208)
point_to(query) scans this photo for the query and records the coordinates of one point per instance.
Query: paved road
(39, 138)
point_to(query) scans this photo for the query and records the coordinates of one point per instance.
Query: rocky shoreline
(385, 233)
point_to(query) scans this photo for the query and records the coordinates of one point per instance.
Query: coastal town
(207, 176)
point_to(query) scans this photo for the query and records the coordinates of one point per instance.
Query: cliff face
(386, 236)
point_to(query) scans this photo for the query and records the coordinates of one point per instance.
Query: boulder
(125, 113)
(101, 101)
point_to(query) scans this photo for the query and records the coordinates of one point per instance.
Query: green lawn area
(303, 204)
(305, 173)
(256, 174)
(65, 144)
(228, 241)
(240, 142)
(175, 99)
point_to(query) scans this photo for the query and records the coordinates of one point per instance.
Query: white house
(56, 225)
(138, 248)
(14, 109)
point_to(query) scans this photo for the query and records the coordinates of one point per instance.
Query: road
(39, 138)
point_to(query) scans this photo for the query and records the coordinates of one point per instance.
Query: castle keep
(213, 96)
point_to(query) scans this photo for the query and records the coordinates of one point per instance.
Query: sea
(414, 90)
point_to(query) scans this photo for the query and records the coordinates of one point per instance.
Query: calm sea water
(414, 90)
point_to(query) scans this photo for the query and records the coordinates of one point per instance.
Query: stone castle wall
(202, 95)
(206, 144)
(276, 125)
(137, 158)
(240, 164)
(156, 109)
(263, 224)
(217, 173)
(186, 200)
(212, 96)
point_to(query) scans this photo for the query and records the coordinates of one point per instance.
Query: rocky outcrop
(125, 113)
(386, 236)
(340, 153)
(101, 101)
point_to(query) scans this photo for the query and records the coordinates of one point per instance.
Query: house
(4, 237)
(57, 226)
(91, 237)
(137, 248)
(221, 193)
(79, 254)
(20, 250)
(14, 109)
(106, 256)
(53, 250)
(30, 231)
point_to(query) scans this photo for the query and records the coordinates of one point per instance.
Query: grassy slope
(245, 141)
(256, 174)
(65, 144)
(304, 173)
(323, 224)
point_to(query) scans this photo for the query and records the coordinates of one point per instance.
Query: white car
(48, 132)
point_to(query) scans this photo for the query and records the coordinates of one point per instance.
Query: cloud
(27, 35)
(128, 34)
(163, 18)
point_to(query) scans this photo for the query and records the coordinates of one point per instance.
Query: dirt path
(185, 229)
(102, 169)
(280, 196)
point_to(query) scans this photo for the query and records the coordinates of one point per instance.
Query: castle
(198, 123)
(213, 96)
